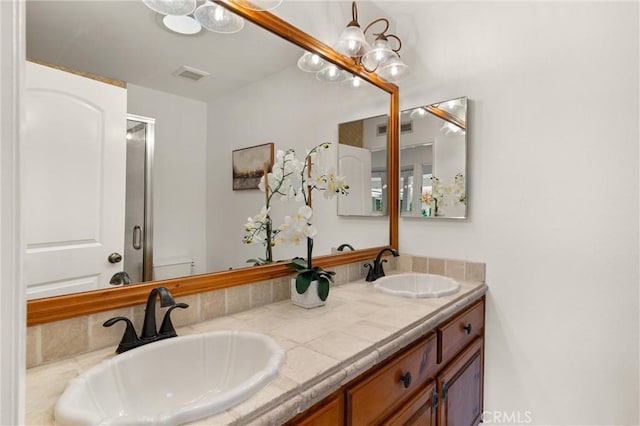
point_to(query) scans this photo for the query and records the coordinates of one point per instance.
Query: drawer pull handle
(467, 328)
(406, 379)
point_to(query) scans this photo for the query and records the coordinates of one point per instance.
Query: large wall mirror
(252, 93)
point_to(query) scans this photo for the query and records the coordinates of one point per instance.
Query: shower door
(138, 236)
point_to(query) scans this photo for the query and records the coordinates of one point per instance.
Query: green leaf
(298, 263)
(303, 280)
(323, 288)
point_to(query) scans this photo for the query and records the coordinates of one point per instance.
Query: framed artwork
(249, 165)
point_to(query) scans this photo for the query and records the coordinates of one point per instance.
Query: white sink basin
(172, 381)
(417, 285)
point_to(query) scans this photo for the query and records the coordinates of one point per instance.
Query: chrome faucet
(149, 332)
(376, 271)
(341, 247)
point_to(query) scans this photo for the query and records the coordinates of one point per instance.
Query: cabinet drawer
(457, 333)
(380, 391)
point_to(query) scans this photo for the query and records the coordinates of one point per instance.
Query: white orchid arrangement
(450, 193)
(293, 179)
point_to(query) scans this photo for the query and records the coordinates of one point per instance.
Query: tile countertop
(326, 348)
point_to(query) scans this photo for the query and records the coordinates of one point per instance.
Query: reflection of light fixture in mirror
(449, 128)
(381, 57)
(439, 111)
(331, 73)
(182, 24)
(183, 17)
(310, 62)
(171, 7)
(419, 112)
(263, 4)
(354, 82)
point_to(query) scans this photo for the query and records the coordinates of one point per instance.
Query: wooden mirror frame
(73, 305)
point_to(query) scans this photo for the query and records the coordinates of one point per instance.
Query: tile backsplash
(66, 338)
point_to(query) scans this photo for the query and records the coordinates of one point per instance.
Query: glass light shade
(379, 53)
(171, 7)
(418, 113)
(310, 62)
(182, 24)
(263, 4)
(354, 82)
(352, 42)
(331, 73)
(449, 128)
(218, 19)
(393, 70)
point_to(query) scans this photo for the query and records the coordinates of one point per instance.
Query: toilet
(164, 269)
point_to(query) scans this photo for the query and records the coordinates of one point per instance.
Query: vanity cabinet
(437, 380)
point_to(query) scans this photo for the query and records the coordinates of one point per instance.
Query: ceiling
(125, 40)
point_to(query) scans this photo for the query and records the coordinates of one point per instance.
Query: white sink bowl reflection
(417, 285)
(172, 381)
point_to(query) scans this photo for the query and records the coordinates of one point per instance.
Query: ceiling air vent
(190, 73)
(406, 127)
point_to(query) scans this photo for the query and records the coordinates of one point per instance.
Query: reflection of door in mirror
(416, 165)
(362, 160)
(406, 190)
(138, 230)
(73, 174)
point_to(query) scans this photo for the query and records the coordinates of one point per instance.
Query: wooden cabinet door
(460, 387)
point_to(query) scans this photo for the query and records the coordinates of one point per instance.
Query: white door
(354, 164)
(73, 181)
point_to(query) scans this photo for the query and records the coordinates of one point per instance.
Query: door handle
(114, 258)
(137, 237)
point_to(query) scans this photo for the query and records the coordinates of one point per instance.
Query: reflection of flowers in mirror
(452, 193)
(294, 229)
(292, 179)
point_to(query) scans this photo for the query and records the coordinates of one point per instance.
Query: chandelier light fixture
(190, 16)
(380, 56)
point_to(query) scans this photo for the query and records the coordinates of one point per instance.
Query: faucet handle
(166, 328)
(129, 339)
(370, 274)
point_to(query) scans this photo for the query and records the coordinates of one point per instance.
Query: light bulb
(219, 14)
(315, 59)
(353, 46)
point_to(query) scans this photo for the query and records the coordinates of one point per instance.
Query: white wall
(553, 198)
(12, 293)
(293, 110)
(179, 181)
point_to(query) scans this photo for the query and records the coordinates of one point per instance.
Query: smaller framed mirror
(433, 160)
